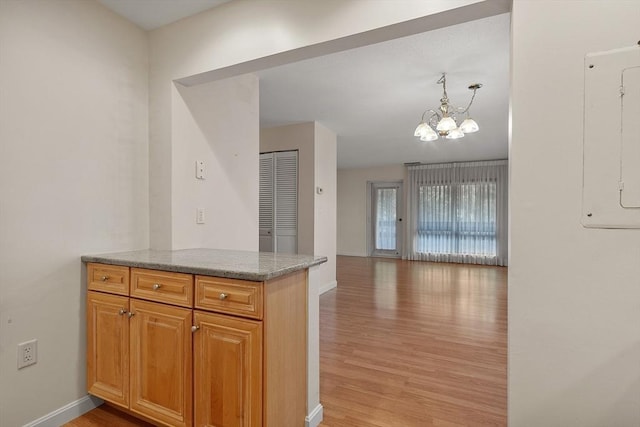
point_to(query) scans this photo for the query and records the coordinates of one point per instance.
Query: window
(457, 219)
(457, 212)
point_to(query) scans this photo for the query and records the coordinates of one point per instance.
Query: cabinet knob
(131, 314)
(194, 328)
(122, 311)
(156, 286)
(104, 278)
(223, 296)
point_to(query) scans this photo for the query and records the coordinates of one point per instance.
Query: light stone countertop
(245, 265)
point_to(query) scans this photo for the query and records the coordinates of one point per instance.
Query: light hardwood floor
(405, 344)
(104, 416)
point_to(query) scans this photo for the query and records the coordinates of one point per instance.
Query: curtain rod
(452, 163)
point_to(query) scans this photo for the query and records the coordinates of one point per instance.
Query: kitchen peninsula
(200, 336)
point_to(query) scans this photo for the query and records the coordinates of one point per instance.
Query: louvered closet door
(286, 197)
(266, 224)
(279, 202)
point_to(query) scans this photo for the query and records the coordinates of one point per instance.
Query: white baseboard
(315, 417)
(327, 287)
(67, 413)
(85, 404)
(358, 254)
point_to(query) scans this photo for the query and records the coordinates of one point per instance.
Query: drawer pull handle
(195, 328)
(131, 314)
(104, 278)
(156, 286)
(122, 311)
(223, 296)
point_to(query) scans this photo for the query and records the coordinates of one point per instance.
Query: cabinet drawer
(113, 279)
(162, 286)
(239, 297)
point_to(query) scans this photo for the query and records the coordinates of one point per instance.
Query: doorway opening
(385, 219)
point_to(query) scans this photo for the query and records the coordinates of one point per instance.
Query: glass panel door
(386, 232)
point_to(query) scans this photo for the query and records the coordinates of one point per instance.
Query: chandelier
(445, 119)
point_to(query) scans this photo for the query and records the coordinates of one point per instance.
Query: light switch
(199, 169)
(200, 216)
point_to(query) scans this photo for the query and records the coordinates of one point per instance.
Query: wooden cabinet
(229, 296)
(162, 286)
(139, 352)
(160, 353)
(113, 279)
(108, 347)
(139, 356)
(185, 350)
(227, 371)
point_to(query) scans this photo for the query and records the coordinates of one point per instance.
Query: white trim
(369, 233)
(67, 413)
(371, 188)
(327, 287)
(315, 417)
(358, 254)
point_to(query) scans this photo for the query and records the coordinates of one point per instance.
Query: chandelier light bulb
(469, 126)
(421, 129)
(446, 124)
(429, 135)
(455, 134)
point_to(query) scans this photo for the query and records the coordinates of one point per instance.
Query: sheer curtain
(457, 212)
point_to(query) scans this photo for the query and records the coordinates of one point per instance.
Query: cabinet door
(161, 377)
(108, 347)
(227, 371)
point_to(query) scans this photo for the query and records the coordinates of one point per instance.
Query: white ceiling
(373, 97)
(151, 14)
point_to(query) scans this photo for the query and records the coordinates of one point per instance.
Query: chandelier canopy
(445, 119)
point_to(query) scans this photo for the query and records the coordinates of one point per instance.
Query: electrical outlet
(27, 353)
(199, 169)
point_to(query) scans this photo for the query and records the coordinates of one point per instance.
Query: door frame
(371, 186)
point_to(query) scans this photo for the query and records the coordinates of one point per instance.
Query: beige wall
(73, 180)
(298, 137)
(317, 151)
(323, 277)
(352, 205)
(215, 122)
(574, 293)
(324, 242)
